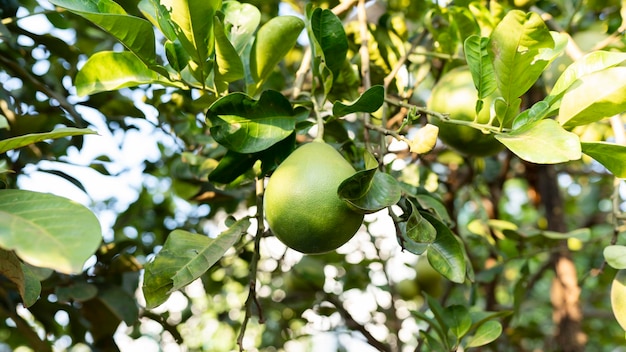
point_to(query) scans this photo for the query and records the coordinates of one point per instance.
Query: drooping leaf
(477, 55)
(11, 269)
(184, 257)
(515, 47)
(273, 41)
(370, 101)
(108, 70)
(32, 286)
(35, 226)
(445, 254)
(134, 32)
(418, 229)
(612, 156)
(486, 333)
(543, 142)
(594, 97)
(331, 37)
(615, 256)
(22, 141)
(229, 66)
(245, 125)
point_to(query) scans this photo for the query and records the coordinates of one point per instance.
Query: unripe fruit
(302, 207)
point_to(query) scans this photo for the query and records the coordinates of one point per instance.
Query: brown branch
(166, 326)
(353, 324)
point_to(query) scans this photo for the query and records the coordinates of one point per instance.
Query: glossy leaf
(434, 205)
(486, 333)
(610, 155)
(245, 125)
(543, 142)
(370, 101)
(273, 41)
(33, 225)
(192, 21)
(383, 191)
(594, 97)
(185, 257)
(406, 243)
(331, 37)
(229, 66)
(22, 141)
(515, 46)
(458, 320)
(445, 254)
(134, 32)
(533, 114)
(615, 256)
(159, 16)
(477, 55)
(418, 229)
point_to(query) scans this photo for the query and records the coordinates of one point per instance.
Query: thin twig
(252, 299)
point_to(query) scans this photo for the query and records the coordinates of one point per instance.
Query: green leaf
(516, 46)
(185, 257)
(35, 226)
(445, 254)
(159, 16)
(108, 70)
(229, 67)
(369, 191)
(331, 37)
(543, 142)
(32, 286)
(418, 229)
(486, 333)
(119, 302)
(241, 21)
(594, 97)
(273, 41)
(245, 125)
(435, 205)
(582, 234)
(457, 319)
(370, 101)
(593, 62)
(192, 21)
(612, 156)
(615, 256)
(477, 56)
(22, 141)
(79, 291)
(231, 166)
(535, 113)
(11, 269)
(135, 33)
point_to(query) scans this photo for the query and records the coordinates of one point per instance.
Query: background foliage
(523, 237)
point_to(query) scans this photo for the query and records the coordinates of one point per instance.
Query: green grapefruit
(456, 95)
(302, 207)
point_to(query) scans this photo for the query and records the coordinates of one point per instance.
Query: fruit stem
(320, 121)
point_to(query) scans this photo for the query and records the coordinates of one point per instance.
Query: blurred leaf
(594, 97)
(445, 254)
(615, 256)
(22, 141)
(32, 285)
(542, 142)
(241, 21)
(486, 333)
(612, 156)
(77, 291)
(458, 320)
(71, 179)
(135, 33)
(618, 297)
(35, 226)
(245, 125)
(370, 101)
(12, 269)
(185, 257)
(273, 41)
(119, 302)
(583, 234)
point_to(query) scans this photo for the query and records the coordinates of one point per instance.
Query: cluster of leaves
(213, 78)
